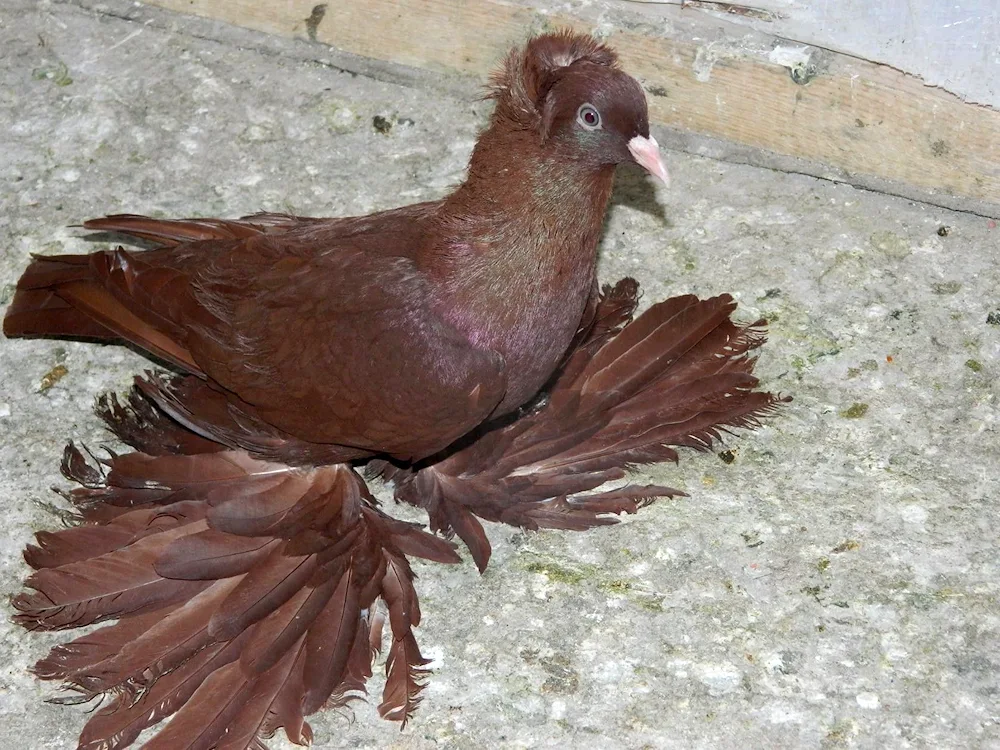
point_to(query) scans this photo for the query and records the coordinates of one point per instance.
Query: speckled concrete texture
(832, 580)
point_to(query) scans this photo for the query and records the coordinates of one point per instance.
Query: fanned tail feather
(629, 393)
(246, 593)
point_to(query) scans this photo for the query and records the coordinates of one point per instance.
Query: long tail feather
(37, 310)
(108, 295)
(630, 393)
(171, 232)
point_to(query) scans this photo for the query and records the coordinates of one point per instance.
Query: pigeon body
(461, 347)
(471, 301)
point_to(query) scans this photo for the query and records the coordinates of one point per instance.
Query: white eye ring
(588, 117)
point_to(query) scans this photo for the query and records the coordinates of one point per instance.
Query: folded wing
(318, 332)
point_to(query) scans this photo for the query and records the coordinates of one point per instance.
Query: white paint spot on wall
(790, 56)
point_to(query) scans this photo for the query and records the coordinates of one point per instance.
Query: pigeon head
(570, 90)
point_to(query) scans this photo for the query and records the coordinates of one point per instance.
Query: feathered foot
(629, 393)
(246, 592)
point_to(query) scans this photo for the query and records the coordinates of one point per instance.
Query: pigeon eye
(588, 117)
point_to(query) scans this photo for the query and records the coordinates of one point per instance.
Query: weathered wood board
(850, 119)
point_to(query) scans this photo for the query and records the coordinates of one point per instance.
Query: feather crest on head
(520, 86)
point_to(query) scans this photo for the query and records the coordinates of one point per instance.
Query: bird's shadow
(634, 188)
(117, 238)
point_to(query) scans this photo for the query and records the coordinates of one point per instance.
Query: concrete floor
(836, 585)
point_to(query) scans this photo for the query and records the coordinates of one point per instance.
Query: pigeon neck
(519, 264)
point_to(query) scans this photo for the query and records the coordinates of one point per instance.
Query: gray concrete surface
(833, 586)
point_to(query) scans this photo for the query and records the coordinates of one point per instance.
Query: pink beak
(646, 152)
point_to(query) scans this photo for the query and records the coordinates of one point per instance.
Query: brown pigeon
(462, 348)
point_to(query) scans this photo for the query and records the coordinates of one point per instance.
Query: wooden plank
(865, 120)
